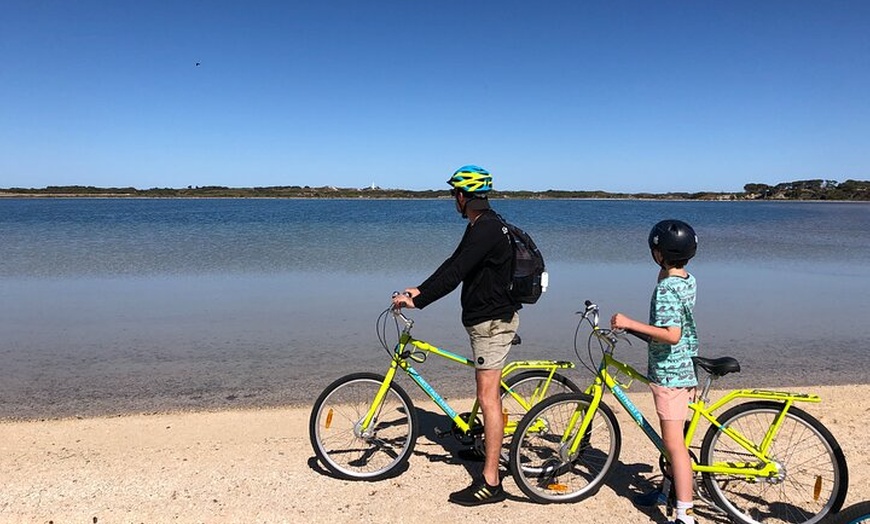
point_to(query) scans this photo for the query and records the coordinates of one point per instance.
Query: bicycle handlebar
(397, 310)
(592, 310)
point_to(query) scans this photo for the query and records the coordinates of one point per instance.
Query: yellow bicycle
(760, 461)
(364, 426)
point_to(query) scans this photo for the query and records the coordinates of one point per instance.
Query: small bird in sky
(198, 64)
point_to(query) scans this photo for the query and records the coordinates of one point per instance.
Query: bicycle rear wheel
(813, 477)
(532, 387)
(348, 451)
(539, 458)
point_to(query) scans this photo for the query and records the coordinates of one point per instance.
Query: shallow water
(114, 306)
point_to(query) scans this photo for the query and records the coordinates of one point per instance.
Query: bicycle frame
(762, 467)
(401, 355)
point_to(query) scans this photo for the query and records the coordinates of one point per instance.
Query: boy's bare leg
(681, 464)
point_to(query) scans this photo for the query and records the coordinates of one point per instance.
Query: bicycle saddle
(717, 366)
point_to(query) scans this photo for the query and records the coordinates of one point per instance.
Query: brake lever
(620, 334)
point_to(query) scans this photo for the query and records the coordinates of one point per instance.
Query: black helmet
(675, 239)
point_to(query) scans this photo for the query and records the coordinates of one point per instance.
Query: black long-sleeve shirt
(482, 263)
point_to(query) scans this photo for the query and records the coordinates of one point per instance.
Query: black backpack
(530, 277)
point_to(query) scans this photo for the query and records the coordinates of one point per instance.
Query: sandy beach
(258, 466)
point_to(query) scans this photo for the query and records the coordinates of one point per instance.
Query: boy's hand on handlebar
(632, 327)
(620, 321)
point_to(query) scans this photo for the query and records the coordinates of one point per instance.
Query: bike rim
(339, 439)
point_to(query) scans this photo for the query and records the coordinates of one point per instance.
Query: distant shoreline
(813, 190)
(12, 196)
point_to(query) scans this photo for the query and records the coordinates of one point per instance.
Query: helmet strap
(461, 203)
(472, 202)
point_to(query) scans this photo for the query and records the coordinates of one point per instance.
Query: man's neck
(474, 214)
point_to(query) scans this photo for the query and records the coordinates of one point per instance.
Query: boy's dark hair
(676, 264)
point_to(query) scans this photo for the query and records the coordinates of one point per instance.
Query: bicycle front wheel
(347, 449)
(855, 514)
(812, 480)
(540, 460)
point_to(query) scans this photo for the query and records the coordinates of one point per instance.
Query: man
(482, 263)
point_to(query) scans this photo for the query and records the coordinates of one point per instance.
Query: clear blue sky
(617, 95)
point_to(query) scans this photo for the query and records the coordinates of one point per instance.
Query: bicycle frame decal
(425, 386)
(636, 415)
(606, 379)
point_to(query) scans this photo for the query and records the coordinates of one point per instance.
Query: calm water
(112, 305)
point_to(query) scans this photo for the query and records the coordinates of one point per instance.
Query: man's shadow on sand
(626, 480)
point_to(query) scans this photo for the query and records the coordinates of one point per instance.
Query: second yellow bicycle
(764, 460)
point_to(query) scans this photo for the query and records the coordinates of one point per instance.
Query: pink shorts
(672, 403)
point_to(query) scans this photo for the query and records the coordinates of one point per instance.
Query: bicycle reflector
(329, 420)
(817, 488)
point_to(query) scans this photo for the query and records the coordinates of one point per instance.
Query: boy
(673, 343)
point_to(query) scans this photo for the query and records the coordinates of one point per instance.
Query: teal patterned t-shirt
(672, 304)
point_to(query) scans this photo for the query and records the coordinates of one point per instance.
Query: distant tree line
(798, 190)
(810, 190)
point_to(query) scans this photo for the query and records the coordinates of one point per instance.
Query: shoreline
(97, 404)
(257, 465)
(718, 197)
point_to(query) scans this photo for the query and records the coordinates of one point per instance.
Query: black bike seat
(717, 366)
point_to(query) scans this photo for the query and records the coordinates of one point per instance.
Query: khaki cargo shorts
(491, 342)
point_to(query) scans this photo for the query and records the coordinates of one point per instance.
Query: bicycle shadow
(444, 447)
(438, 449)
(315, 466)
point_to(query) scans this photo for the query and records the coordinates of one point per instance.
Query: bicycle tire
(526, 384)
(814, 477)
(854, 514)
(384, 451)
(538, 458)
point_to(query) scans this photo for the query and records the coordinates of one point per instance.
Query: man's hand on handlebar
(405, 299)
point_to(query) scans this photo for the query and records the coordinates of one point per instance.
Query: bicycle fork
(364, 428)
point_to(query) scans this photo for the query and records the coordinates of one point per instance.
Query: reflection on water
(113, 306)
